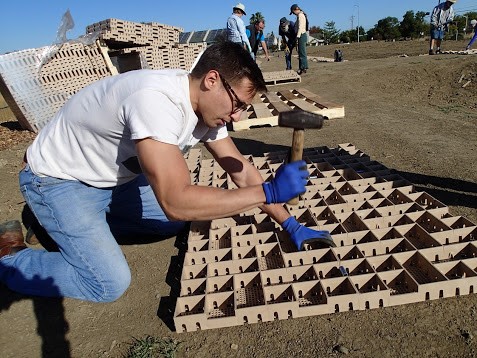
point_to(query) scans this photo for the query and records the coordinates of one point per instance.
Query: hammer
(299, 120)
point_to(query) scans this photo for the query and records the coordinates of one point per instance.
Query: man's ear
(211, 79)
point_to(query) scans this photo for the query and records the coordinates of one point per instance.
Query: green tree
(387, 29)
(331, 34)
(352, 35)
(407, 25)
(372, 34)
(413, 26)
(256, 17)
(315, 30)
(347, 36)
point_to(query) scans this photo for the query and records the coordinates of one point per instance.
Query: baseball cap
(283, 20)
(293, 8)
(241, 7)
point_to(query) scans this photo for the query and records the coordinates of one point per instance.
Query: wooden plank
(304, 105)
(248, 123)
(332, 112)
(299, 102)
(288, 95)
(281, 77)
(316, 98)
(257, 98)
(281, 107)
(272, 97)
(261, 110)
(266, 107)
(276, 102)
(106, 58)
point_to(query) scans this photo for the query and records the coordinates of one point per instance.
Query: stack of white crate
(35, 91)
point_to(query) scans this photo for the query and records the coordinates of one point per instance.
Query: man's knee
(112, 288)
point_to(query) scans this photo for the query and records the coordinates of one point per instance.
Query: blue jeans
(82, 220)
(288, 56)
(437, 34)
(302, 57)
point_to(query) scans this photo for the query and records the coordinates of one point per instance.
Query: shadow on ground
(451, 192)
(52, 326)
(12, 125)
(167, 304)
(257, 148)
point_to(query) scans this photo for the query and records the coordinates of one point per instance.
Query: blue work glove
(290, 181)
(301, 235)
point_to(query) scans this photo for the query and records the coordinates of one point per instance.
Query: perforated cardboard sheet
(395, 246)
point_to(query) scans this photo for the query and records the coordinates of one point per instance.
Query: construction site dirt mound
(414, 113)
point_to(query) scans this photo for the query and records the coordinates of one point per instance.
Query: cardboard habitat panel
(395, 246)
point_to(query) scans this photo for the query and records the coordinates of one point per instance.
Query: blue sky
(28, 24)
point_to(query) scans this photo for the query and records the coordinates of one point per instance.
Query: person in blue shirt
(288, 34)
(255, 36)
(473, 23)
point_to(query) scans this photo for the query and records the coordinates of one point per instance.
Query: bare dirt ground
(409, 113)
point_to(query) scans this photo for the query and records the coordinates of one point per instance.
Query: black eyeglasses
(240, 105)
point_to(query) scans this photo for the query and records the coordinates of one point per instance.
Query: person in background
(287, 32)
(473, 24)
(236, 28)
(301, 36)
(111, 163)
(442, 15)
(255, 36)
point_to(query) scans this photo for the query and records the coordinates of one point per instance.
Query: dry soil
(407, 110)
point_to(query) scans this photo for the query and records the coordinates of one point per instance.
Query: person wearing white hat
(442, 15)
(236, 28)
(473, 24)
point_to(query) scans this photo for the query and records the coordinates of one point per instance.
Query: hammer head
(300, 119)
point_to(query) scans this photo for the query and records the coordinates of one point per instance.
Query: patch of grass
(153, 347)
(453, 108)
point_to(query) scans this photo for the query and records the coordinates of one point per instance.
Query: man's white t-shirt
(91, 138)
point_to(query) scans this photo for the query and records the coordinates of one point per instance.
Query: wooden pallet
(281, 77)
(265, 108)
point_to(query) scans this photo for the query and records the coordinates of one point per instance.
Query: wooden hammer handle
(296, 153)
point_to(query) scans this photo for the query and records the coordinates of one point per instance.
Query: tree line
(412, 26)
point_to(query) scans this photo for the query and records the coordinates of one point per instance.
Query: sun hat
(473, 22)
(293, 8)
(452, 1)
(241, 7)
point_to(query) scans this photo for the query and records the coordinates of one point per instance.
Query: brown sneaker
(11, 238)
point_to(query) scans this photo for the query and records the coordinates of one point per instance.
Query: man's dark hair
(233, 62)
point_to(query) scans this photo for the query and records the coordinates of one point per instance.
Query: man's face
(260, 26)
(226, 103)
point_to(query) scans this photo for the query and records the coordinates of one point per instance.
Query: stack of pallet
(118, 33)
(138, 45)
(35, 91)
